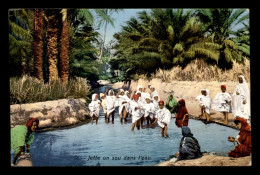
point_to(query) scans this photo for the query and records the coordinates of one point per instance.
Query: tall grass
(201, 71)
(29, 89)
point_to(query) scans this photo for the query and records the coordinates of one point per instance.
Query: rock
(58, 113)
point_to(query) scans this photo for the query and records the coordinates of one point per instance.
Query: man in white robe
(241, 99)
(205, 104)
(111, 104)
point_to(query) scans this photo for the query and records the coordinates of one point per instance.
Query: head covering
(162, 102)
(93, 97)
(138, 92)
(151, 87)
(111, 90)
(135, 96)
(223, 86)
(121, 90)
(101, 95)
(244, 125)
(154, 95)
(182, 103)
(172, 103)
(30, 122)
(138, 87)
(126, 92)
(186, 132)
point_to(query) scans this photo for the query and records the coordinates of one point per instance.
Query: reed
(199, 70)
(28, 89)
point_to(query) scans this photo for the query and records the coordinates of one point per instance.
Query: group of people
(141, 106)
(147, 106)
(223, 102)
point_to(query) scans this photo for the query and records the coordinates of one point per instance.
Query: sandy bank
(211, 160)
(187, 90)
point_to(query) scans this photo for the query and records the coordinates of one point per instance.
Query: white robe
(94, 106)
(164, 117)
(219, 103)
(205, 101)
(136, 113)
(240, 109)
(121, 99)
(149, 110)
(111, 103)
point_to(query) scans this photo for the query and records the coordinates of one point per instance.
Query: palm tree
(107, 20)
(52, 42)
(20, 38)
(219, 23)
(38, 43)
(64, 44)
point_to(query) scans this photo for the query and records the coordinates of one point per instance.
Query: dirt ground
(211, 160)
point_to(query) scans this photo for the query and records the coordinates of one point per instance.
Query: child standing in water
(136, 112)
(163, 117)
(94, 108)
(149, 110)
(122, 102)
(111, 104)
(222, 103)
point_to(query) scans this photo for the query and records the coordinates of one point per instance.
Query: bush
(29, 89)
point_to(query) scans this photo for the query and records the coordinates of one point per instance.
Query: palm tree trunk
(38, 43)
(64, 51)
(52, 44)
(102, 47)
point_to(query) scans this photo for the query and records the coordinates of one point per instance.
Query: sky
(123, 16)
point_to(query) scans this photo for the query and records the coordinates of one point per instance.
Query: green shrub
(29, 89)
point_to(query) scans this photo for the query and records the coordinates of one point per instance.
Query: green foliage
(20, 40)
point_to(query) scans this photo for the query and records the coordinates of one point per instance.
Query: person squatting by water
(189, 146)
(163, 118)
(222, 103)
(205, 104)
(22, 137)
(243, 140)
(241, 99)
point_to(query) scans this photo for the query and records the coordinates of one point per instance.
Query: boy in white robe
(241, 99)
(163, 117)
(222, 103)
(122, 102)
(136, 112)
(149, 110)
(141, 101)
(111, 104)
(94, 108)
(153, 91)
(127, 105)
(199, 98)
(205, 104)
